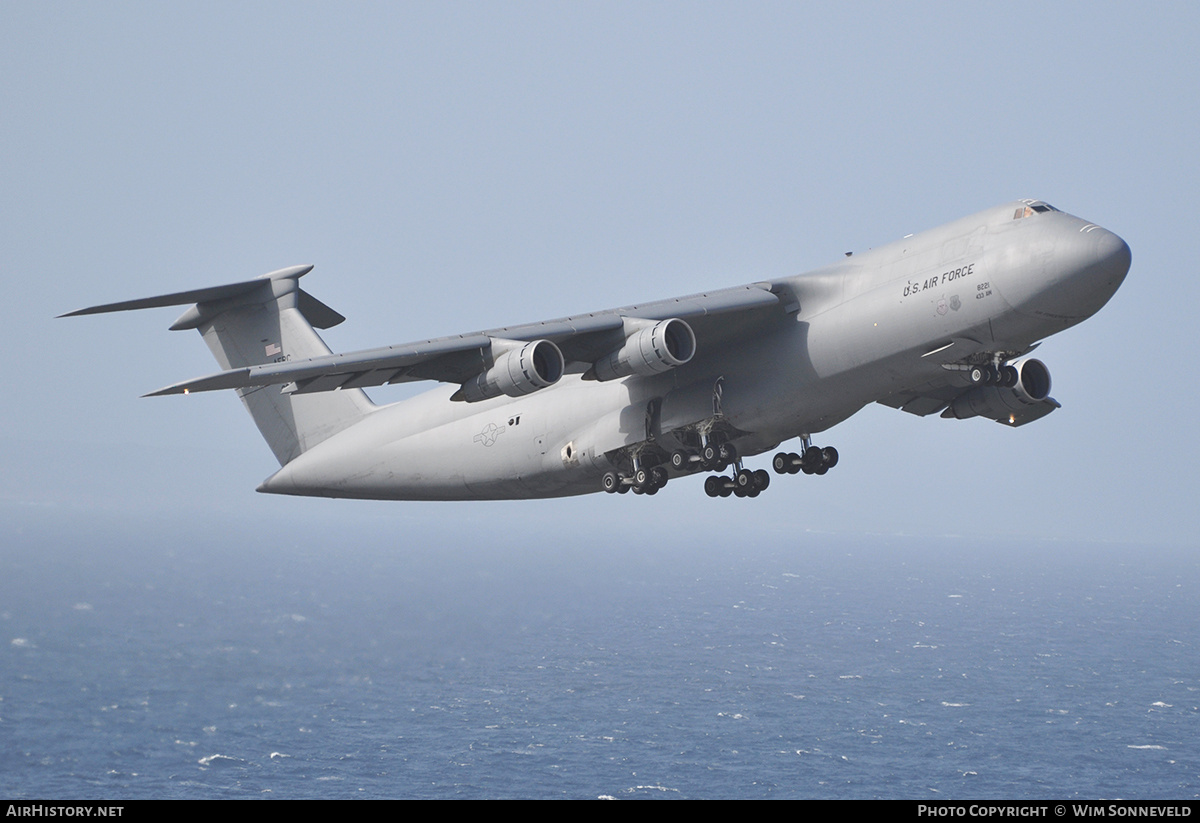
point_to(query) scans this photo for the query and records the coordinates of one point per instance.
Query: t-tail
(266, 320)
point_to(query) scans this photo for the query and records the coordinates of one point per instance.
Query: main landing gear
(717, 457)
(711, 456)
(814, 460)
(642, 481)
(744, 483)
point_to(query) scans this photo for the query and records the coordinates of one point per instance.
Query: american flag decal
(273, 350)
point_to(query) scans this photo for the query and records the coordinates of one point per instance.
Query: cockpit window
(1031, 208)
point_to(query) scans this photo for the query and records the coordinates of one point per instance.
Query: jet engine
(1032, 388)
(522, 369)
(652, 348)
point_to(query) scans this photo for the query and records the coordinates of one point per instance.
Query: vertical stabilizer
(267, 320)
(270, 331)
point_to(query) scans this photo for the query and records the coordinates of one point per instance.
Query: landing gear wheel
(713, 485)
(658, 475)
(829, 457)
(761, 480)
(782, 463)
(813, 460)
(610, 482)
(709, 456)
(680, 461)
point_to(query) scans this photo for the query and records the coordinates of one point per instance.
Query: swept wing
(583, 340)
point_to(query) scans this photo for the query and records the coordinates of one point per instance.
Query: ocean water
(248, 661)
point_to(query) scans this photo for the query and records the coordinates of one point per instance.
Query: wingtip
(76, 313)
(163, 392)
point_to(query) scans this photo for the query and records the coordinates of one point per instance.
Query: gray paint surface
(916, 324)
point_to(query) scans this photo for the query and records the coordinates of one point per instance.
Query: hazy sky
(450, 167)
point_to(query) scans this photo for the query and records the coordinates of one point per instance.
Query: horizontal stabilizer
(208, 295)
(317, 313)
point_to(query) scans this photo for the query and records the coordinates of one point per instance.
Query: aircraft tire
(659, 476)
(680, 460)
(813, 458)
(610, 482)
(782, 463)
(829, 457)
(762, 479)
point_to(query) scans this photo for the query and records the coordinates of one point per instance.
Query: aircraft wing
(927, 400)
(714, 317)
(1004, 405)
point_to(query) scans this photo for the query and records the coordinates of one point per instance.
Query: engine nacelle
(651, 349)
(522, 369)
(1032, 388)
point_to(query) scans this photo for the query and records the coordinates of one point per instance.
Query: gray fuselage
(873, 325)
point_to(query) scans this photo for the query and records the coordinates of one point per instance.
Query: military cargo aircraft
(630, 398)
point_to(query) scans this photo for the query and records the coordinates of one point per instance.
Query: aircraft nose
(1109, 263)
(1090, 263)
(1112, 255)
